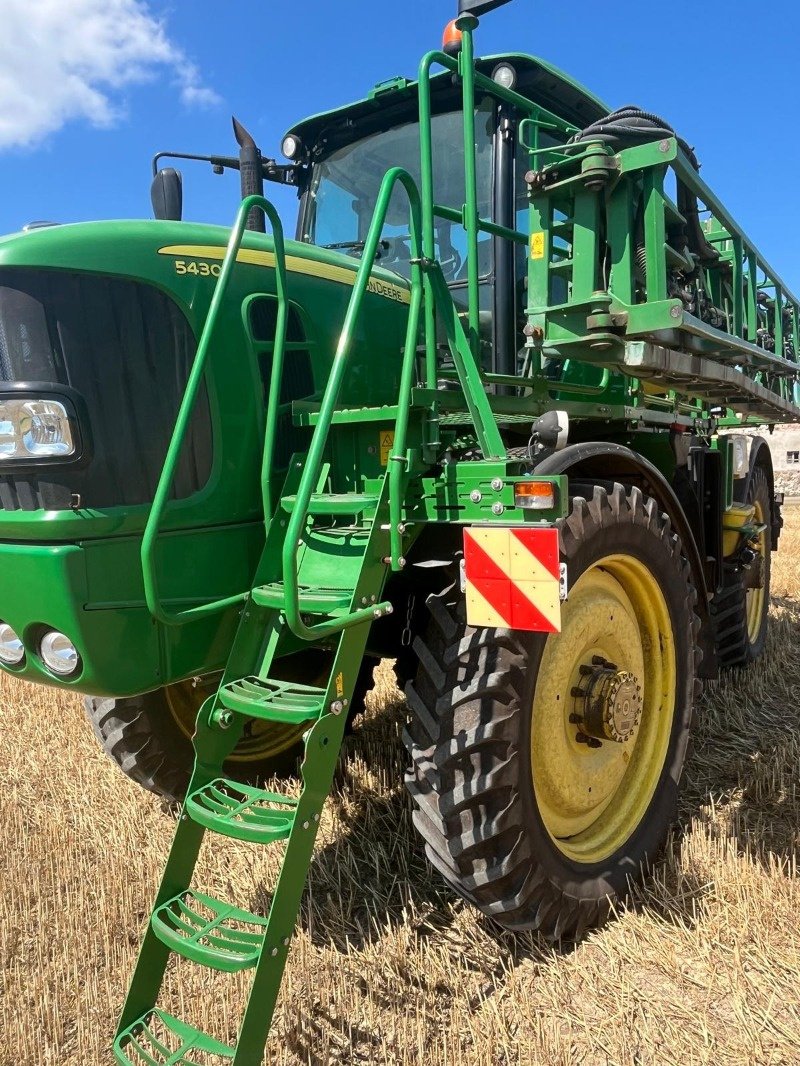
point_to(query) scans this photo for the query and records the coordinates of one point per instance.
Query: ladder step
(334, 503)
(274, 701)
(210, 932)
(312, 600)
(241, 811)
(158, 1039)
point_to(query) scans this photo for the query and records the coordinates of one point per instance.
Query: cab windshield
(345, 184)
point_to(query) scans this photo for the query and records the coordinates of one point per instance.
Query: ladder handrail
(313, 463)
(150, 538)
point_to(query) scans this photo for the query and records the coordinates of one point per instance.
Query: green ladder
(340, 573)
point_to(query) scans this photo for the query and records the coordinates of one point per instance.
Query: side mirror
(478, 7)
(166, 195)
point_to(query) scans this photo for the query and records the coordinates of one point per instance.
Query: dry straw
(388, 966)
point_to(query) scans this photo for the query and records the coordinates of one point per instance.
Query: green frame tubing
(150, 538)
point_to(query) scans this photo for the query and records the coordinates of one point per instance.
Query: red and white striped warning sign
(512, 576)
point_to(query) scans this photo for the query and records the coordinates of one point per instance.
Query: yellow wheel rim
(592, 793)
(260, 740)
(755, 597)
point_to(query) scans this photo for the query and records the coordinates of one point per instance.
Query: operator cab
(347, 152)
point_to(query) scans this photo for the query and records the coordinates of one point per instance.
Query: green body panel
(209, 543)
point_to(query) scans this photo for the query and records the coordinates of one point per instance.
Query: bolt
(274, 952)
(497, 484)
(372, 599)
(224, 719)
(675, 312)
(364, 601)
(378, 613)
(598, 660)
(316, 817)
(389, 608)
(345, 703)
(497, 508)
(663, 146)
(286, 941)
(401, 527)
(337, 707)
(305, 825)
(401, 562)
(475, 496)
(577, 692)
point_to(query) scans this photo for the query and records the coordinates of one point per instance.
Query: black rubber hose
(631, 123)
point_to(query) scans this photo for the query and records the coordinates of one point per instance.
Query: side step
(274, 701)
(157, 1037)
(241, 811)
(312, 600)
(335, 503)
(210, 932)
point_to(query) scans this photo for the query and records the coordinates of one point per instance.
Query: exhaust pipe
(251, 172)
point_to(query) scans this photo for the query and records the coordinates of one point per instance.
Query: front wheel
(149, 737)
(545, 769)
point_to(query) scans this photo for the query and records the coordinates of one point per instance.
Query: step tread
(210, 932)
(312, 600)
(334, 503)
(241, 811)
(159, 1034)
(275, 701)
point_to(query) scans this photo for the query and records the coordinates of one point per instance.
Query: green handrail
(150, 538)
(313, 463)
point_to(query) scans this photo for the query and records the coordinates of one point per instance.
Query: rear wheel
(545, 768)
(741, 607)
(150, 736)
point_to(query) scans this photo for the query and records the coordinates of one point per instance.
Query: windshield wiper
(358, 246)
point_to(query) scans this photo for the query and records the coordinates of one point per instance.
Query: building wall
(784, 444)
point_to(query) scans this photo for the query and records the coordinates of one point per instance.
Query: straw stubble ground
(389, 967)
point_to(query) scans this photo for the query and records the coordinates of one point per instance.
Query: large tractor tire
(149, 737)
(545, 769)
(741, 607)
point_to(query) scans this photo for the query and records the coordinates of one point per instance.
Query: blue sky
(90, 89)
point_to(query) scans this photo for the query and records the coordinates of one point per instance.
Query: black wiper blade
(358, 246)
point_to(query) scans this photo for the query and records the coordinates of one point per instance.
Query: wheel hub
(609, 703)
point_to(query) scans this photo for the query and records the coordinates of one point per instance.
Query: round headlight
(505, 75)
(59, 654)
(291, 146)
(12, 650)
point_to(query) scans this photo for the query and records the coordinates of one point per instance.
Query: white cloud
(62, 60)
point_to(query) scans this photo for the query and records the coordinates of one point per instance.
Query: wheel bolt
(577, 692)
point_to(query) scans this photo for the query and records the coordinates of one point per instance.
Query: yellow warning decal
(295, 264)
(340, 685)
(537, 246)
(387, 443)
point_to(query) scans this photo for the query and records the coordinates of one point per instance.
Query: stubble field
(388, 966)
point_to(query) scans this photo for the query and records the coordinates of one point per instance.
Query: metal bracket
(563, 590)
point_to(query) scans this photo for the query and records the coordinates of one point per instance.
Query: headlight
(12, 650)
(291, 146)
(59, 654)
(34, 429)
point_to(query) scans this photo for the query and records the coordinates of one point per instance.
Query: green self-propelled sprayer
(478, 416)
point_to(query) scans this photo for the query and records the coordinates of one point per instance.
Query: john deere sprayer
(479, 416)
